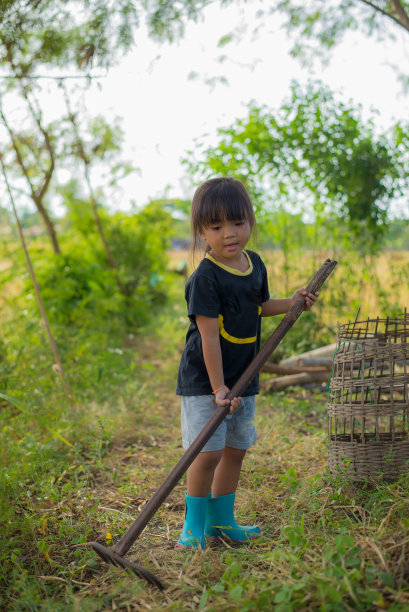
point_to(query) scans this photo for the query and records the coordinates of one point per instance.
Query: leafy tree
(74, 35)
(103, 28)
(342, 160)
(313, 154)
(52, 33)
(104, 141)
(34, 157)
(327, 22)
(87, 34)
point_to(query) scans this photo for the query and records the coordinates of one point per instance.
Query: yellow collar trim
(233, 270)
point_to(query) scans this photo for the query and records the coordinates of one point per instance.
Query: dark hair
(219, 199)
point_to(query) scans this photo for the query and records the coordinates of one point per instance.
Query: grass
(327, 543)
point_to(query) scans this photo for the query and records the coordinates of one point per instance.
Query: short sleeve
(202, 297)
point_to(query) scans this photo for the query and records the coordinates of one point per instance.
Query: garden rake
(116, 554)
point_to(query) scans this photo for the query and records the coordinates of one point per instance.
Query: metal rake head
(110, 556)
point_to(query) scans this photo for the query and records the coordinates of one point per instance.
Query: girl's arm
(276, 307)
(212, 354)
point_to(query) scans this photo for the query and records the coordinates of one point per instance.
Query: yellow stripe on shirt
(231, 338)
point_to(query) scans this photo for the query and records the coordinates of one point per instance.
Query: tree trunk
(85, 159)
(58, 362)
(37, 197)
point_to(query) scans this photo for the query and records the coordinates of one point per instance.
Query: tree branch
(37, 195)
(399, 9)
(37, 118)
(87, 162)
(402, 19)
(53, 78)
(18, 154)
(47, 142)
(40, 302)
(34, 195)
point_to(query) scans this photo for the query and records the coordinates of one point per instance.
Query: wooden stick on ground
(302, 378)
(277, 368)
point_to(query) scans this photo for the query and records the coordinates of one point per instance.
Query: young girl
(226, 297)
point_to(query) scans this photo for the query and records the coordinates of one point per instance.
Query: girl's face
(227, 240)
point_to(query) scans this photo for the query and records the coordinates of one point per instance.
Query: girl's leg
(199, 482)
(201, 473)
(227, 472)
(220, 521)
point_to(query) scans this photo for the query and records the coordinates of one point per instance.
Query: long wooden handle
(278, 334)
(129, 537)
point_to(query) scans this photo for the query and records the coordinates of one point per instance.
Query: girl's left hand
(221, 401)
(310, 298)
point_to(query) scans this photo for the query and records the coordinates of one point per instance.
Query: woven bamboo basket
(368, 408)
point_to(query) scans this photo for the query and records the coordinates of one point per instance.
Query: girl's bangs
(225, 209)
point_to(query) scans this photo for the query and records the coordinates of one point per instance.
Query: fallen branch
(303, 378)
(277, 368)
(322, 356)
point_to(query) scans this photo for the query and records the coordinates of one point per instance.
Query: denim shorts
(236, 430)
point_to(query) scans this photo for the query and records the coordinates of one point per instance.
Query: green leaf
(235, 570)
(235, 592)
(387, 579)
(284, 595)
(203, 598)
(224, 40)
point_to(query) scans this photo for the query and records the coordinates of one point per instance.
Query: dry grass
(284, 486)
(378, 285)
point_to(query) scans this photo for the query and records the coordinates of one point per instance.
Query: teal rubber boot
(220, 521)
(192, 535)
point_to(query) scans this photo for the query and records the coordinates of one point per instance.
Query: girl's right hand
(220, 399)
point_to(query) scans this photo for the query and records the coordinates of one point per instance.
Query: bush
(79, 287)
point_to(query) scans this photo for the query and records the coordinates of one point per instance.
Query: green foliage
(166, 20)
(139, 243)
(333, 139)
(46, 33)
(301, 156)
(99, 141)
(50, 450)
(79, 283)
(178, 219)
(328, 22)
(74, 285)
(84, 306)
(50, 447)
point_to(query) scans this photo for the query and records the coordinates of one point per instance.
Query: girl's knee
(209, 460)
(235, 455)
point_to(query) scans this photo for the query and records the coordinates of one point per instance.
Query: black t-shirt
(235, 299)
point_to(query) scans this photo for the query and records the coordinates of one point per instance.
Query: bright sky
(164, 111)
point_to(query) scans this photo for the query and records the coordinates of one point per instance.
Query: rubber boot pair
(213, 517)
